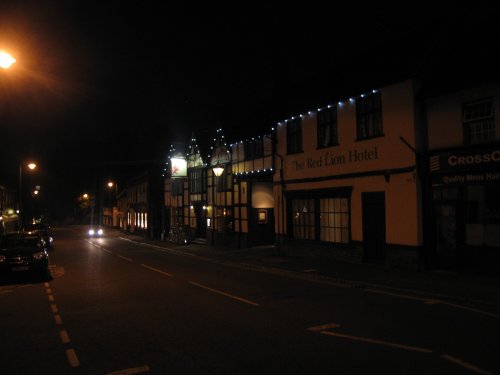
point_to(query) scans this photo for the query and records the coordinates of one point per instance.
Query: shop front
(466, 208)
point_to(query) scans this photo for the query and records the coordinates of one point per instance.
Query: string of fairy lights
(219, 141)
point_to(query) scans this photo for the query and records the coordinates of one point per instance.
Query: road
(118, 307)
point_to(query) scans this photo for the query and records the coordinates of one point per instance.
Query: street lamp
(111, 201)
(6, 60)
(31, 166)
(218, 169)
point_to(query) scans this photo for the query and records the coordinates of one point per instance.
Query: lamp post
(218, 169)
(6, 60)
(111, 202)
(31, 166)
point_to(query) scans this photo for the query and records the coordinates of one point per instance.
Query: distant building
(140, 205)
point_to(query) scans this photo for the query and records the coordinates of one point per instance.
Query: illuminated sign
(179, 167)
(471, 159)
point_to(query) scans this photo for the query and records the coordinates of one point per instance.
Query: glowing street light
(31, 166)
(6, 60)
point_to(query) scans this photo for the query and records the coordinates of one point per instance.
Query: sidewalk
(433, 285)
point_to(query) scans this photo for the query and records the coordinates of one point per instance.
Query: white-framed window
(478, 121)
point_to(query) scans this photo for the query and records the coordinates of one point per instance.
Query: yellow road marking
(157, 270)
(224, 294)
(48, 290)
(53, 307)
(51, 298)
(72, 358)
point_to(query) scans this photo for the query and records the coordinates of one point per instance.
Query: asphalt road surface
(119, 307)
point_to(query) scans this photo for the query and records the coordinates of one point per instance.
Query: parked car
(23, 253)
(43, 231)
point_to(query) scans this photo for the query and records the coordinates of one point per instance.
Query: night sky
(101, 87)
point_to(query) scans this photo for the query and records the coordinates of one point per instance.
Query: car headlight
(39, 255)
(91, 232)
(100, 232)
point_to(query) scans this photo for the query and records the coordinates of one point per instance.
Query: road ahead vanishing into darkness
(119, 307)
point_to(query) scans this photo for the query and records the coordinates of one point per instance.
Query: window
(197, 181)
(225, 181)
(334, 220)
(177, 187)
(327, 127)
(303, 219)
(478, 122)
(369, 116)
(254, 149)
(294, 136)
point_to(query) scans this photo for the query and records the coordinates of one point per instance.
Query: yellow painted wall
(352, 156)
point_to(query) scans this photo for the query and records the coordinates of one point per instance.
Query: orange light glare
(6, 60)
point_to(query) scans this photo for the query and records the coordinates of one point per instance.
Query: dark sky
(101, 86)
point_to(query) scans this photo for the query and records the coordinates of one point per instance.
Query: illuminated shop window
(334, 220)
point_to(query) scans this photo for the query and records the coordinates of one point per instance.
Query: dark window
(224, 182)
(369, 116)
(177, 187)
(327, 127)
(197, 181)
(294, 136)
(254, 149)
(478, 121)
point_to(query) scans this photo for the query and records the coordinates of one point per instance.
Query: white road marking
(58, 319)
(323, 327)
(157, 270)
(64, 337)
(72, 358)
(377, 342)
(471, 309)
(106, 250)
(130, 371)
(224, 294)
(466, 365)
(124, 258)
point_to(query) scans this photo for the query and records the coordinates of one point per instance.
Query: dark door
(446, 235)
(373, 226)
(201, 220)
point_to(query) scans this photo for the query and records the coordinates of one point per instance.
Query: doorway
(374, 226)
(201, 220)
